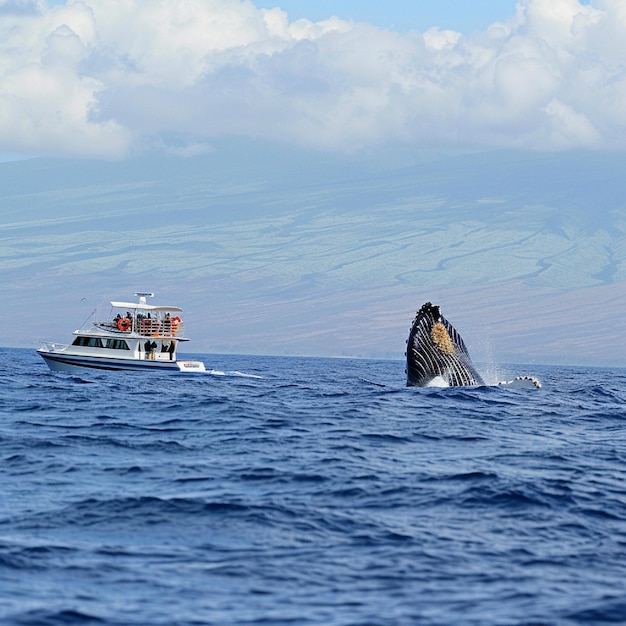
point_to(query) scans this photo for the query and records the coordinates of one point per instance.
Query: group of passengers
(146, 324)
(151, 348)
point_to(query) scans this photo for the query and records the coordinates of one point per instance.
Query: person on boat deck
(149, 347)
(172, 348)
(117, 318)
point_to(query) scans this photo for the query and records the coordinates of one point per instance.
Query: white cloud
(558, 21)
(101, 77)
(567, 128)
(437, 39)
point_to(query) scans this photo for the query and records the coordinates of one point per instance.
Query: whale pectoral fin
(521, 382)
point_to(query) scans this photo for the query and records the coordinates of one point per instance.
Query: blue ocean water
(311, 492)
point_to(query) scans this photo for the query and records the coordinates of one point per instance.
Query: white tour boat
(134, 336)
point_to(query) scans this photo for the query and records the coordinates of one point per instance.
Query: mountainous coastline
(278, 251)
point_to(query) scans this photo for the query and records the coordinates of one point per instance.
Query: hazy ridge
(275, 250)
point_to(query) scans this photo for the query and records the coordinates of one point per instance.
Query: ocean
(308, 491)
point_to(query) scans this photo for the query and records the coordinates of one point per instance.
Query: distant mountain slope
(279, 251)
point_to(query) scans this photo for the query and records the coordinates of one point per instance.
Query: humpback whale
(435, 350)
(436, 353)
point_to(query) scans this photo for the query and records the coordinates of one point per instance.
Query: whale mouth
(437, 352)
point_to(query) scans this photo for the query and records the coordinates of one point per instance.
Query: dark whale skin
(435, 349)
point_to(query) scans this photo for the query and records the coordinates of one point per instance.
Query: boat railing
(108, 326)
(145, 327)
(49, 346)
(148, 327)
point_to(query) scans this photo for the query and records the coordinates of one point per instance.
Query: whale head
(436, 353)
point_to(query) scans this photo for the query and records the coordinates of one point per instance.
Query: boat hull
(59, 362)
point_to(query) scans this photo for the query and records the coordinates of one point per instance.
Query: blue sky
(462, 15)
(399, 15)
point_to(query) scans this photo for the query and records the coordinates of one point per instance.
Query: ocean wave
(235, 374)
(42, 617)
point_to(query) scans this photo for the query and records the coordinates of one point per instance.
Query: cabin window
(117, 344)
(91, 342)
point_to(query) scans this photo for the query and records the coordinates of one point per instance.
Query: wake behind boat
(134, 336)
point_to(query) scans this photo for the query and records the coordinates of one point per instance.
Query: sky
(402, 15)
(115, 78)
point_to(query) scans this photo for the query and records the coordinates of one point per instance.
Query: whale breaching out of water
(436, 350)
(436, 355)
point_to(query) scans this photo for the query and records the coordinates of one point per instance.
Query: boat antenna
(92, 314)
(142, 295)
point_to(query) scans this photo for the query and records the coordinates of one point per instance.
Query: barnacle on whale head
(441, 338)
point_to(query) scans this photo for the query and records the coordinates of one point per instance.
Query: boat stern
(191, 366)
